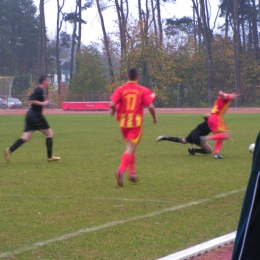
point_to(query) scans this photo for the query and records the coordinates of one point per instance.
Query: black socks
(200, 151)
(175, 139)
(20, 141)
(16, 145)
(49, 147)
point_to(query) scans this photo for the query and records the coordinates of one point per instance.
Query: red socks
(218, 146)
(132, 165)
(125, 161)
(219, 140)
(220, 136)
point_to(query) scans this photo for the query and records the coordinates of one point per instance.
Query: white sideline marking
(201, 248)
(113, 223)
(83, 197)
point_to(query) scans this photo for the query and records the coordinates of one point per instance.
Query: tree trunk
(236, 46)
(121, 31)
(159, 21)
(79, 27)
(45, 47)
(226, 25)
(254, 29)
(146, 19)
(42, 53)
(194, 26)
(140, 17)
(243, 35)
(73, 42)
(200, 29)
(154, 21)
(259, 7)
(44, 42)
(207, 39)
(40, 41)
(58, 28)
(106, 43)
(122, 23)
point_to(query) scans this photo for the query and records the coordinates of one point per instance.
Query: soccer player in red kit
(129, 101)
(216, 121)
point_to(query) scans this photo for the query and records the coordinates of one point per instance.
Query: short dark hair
(133, 74)
(42, 78)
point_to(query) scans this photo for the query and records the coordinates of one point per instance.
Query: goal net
(6, 84)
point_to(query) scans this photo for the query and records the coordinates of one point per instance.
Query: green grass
(40, 200)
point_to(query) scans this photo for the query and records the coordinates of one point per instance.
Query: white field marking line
(83, 197)
(201, 248)
(114, 223)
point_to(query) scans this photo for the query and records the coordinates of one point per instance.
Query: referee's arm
(39, 103)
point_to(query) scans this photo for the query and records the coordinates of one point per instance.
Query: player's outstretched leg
(169, 138)
(26, 136)
(8, 151)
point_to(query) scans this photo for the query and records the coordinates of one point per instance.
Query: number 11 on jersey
(131, 101)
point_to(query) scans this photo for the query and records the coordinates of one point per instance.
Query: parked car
(3, 103)
(52, 103)
(13, 102)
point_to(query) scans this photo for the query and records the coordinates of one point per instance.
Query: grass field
(180, 201)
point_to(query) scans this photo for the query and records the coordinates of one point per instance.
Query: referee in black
(193, 138)
(35, 121)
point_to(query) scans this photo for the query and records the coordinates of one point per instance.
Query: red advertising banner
(101, 105)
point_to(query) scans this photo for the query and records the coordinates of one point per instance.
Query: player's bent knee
(26, 136)
(49, 133)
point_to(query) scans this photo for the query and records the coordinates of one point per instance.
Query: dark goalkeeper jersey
(203, 129)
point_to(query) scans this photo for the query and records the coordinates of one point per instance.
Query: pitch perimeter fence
(21, 101)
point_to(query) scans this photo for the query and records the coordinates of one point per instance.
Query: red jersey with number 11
(130, 100)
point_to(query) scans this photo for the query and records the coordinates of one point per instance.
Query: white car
(2, 103)
(13, 102)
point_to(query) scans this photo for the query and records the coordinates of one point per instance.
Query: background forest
(185, 61)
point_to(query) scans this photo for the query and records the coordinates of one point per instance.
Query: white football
(251, 148)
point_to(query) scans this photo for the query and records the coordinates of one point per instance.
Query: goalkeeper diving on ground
(193, 138)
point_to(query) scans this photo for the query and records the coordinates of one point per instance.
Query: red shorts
(132, 134)
(217, 124)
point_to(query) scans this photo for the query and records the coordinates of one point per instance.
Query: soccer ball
(251, 148)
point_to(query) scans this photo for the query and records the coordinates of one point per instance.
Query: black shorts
(34, 122)
(193, 137)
